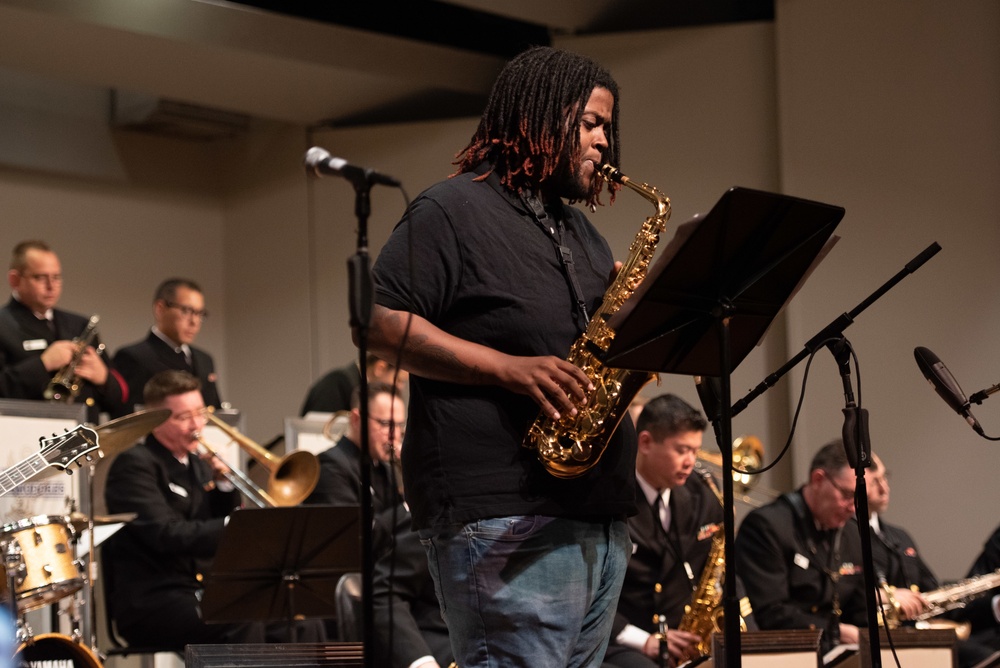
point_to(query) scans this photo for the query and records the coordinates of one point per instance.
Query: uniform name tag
(35, 344)
(178, 490)
(801, 560)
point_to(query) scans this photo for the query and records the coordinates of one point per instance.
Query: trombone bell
(292, 477)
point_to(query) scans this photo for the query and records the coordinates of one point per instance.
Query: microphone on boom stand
(940, 378)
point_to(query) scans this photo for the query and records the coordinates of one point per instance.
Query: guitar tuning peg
(68, 471)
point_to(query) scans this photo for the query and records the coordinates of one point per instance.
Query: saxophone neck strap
(554, 231)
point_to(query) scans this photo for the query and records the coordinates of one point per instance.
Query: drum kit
(40, 553)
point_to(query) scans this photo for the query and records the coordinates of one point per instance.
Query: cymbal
(79, 521)
(122, 433)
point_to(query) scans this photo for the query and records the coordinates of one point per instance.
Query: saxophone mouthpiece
(612, 174)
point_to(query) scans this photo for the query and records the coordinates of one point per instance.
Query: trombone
(292, 477)
(748, 455)
(239, 480)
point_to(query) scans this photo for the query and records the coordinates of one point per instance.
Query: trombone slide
(238, 479)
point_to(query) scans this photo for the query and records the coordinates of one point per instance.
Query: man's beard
(572, 185)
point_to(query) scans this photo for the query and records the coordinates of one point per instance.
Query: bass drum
(53, 649)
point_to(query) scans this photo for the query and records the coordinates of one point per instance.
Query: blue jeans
(529, 590)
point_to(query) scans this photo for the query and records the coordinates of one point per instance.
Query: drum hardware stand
(91, 572)
(13, 562)
(72, 612)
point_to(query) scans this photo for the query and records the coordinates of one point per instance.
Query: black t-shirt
(485, 270)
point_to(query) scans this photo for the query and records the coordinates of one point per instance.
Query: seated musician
(983, 614)
(801, 568)
(154, 566)
(332, 392)
(898, 564)
(409, 629)
(671, 537)
(340, 466)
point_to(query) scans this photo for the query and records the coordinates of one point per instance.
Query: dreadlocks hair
(526, 133)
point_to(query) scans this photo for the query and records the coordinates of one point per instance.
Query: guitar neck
(21, 472)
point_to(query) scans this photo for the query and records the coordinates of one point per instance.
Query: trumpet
(65, 384)
(292, 477)
(238, 479)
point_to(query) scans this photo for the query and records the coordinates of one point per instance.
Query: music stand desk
(281, 563)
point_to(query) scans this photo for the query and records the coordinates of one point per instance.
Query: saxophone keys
(580, 451)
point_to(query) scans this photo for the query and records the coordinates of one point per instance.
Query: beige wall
(117, 239)
(891, 111)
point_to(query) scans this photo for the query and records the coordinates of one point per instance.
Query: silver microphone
(319, 162)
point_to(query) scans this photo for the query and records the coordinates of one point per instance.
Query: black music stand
(709, 299)
(281, 563)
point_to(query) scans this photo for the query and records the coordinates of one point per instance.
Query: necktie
(661, 514)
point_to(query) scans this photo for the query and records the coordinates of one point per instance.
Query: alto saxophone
(703, 616)
(572, 445)
(65, 384)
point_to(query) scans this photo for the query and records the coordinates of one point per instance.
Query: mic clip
(857, 440)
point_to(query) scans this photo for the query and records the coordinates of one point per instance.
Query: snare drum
(50, 648)
(46, 570)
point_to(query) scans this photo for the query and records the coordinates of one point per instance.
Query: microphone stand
(857, 446)
(981, 396)
(856, 423)
(361, 300)
(836, 328)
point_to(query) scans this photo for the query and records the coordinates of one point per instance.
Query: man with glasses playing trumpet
(38, 340)
(154, 566)
(178, 314)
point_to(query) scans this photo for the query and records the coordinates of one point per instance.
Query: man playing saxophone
(801, 568)
(899, 565)
(671, 537)
(504, 273)
(36, 338)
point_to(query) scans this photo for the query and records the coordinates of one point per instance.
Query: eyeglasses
(187, 311)
(385, 424)
(187, 416)
(51, 279)
(845, 494)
